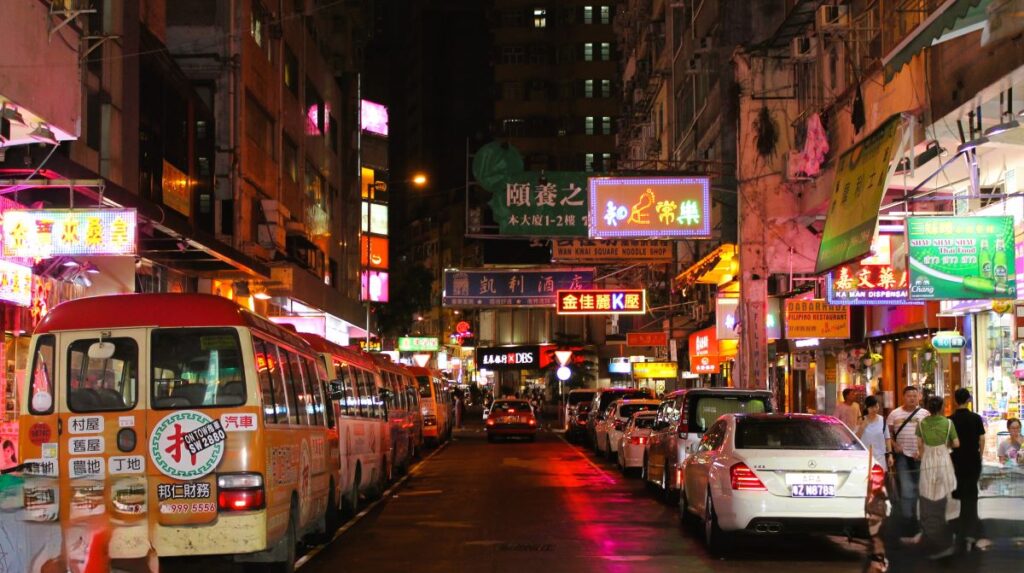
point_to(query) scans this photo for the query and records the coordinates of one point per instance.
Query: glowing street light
(419, 179)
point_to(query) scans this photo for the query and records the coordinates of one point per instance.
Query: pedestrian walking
(902, 424)
(970, 428)
(874, 433)
(849, 410)
(935, 436)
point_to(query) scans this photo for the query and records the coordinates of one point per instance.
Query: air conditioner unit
(704, 45)
(803, 48)
(832, 17)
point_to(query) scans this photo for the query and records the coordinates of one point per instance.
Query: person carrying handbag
(935, 436)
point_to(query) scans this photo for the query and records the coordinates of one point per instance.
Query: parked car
(683, 418)
(632, 444)
(578, 422)
(604, 397)
(609, 429)
(778, 473)
(511, 418)
(572, 402)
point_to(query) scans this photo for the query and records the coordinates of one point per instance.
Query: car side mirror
(101, 350)
(336, 389)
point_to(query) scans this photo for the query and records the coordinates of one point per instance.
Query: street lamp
(419, 179)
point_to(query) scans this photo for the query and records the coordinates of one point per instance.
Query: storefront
(711, 359)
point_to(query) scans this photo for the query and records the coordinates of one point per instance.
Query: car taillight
(684, 424)
(744, 478)
(240, 492)
(432, 420)
(638, 440)
(877, 477)
(490, 421)
(533, 422)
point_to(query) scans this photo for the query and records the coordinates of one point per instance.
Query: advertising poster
(961, 258)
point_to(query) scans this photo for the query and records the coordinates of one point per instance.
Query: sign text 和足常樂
(650, 207)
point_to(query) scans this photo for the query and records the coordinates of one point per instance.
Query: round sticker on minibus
(187, 445)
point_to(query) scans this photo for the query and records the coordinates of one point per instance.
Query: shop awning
(952, 19)
(717, 268)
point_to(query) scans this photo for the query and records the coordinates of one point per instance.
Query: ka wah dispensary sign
(617, 301)
(650, 208)
(44, 233)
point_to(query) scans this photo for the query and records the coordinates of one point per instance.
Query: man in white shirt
(849, 410)
(902, 424)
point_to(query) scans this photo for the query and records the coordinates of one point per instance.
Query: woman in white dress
(874, 433)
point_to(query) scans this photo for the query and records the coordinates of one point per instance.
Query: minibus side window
(293, 384)
(263, 367)
(316, 403)
(41, 390)
(328, 405)
(362, 383)
(283, 398)
(103, 385)
(196, 368)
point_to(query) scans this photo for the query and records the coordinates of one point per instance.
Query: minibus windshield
(197, 368)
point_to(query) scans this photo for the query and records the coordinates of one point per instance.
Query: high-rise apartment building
(557, 88)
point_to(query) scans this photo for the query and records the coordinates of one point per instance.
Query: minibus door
(102, 401)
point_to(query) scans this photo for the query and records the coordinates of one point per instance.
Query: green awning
(953, 18)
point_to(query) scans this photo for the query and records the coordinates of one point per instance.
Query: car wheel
(609, 453)
(714, 537)
(686, 519)
(490, 438)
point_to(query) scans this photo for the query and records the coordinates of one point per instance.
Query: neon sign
(374, 117)
(374, 254)
(15, 284)
(45, 233)
(650, 208)
(374, 286)
(616, 301)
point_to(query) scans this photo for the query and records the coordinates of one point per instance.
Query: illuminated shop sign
(511, 287)
(44, 233)
(816, 318)
(879, 279)
(375, 218)
(704, 351)
(650, 208)
(615, 301)
(417, 344)
(508, 358)
(727, 319)
(948, 342)
(15, 284)
(376, 255)
(374, 117)
(374, 286)
(961, 258)
(655, 370)
(634, 251)
(646, 339)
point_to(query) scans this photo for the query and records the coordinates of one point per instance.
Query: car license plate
(812, 490)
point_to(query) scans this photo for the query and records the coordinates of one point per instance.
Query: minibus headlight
(126, 439)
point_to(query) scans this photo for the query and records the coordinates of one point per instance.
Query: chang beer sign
(961, 258)
(948, 342)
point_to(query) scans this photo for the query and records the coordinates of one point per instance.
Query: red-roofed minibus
(200, 425)
(435, 405)
(360, 407)
(406, 419)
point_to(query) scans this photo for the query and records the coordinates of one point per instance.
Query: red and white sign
(704, 353)
(646, 339)
(238, 422)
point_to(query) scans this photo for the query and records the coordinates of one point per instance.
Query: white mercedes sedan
(769, 474)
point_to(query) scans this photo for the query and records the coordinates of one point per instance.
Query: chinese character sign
(961, 258)
(650, 208)
(511, 287)
(576, 251)
(417, 344)
(616, 301)
(15, 284)
(554, 205)
(44, 233)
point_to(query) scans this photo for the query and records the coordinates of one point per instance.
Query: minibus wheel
(350, 502)
(289, 543)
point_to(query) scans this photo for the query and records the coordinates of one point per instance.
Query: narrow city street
(551, 506)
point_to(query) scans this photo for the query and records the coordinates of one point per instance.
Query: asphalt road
(547, 507)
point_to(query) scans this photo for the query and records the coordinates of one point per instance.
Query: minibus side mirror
(101, 350)
(336, 389)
